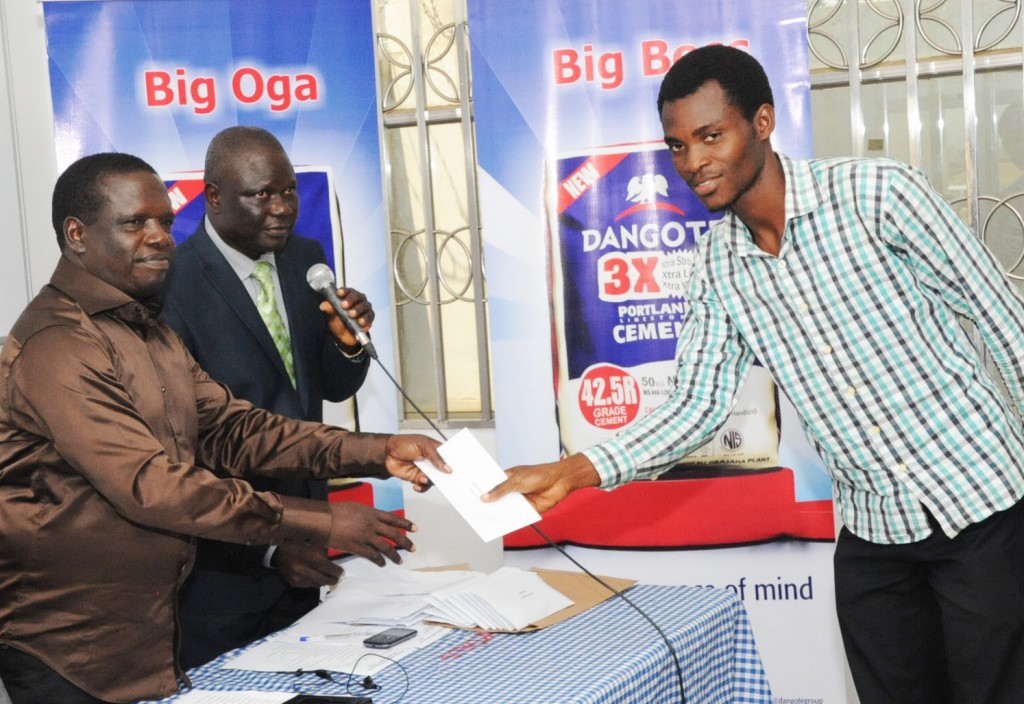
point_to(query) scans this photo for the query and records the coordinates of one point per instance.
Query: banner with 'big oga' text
(159, 78)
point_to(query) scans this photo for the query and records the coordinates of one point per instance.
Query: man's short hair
(226, 143)
(741, 77)
(78, 193)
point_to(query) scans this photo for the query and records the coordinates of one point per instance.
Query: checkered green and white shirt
(856, 320)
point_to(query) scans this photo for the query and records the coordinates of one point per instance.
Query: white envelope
(474, 473)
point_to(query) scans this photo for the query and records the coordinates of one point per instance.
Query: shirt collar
(802, 196)
(94, 295)
(802, 193)
(242, 265)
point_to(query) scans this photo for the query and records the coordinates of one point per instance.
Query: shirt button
(827, 349)
(875, 430)
(851, 391)
(901, 468)
(783, 265)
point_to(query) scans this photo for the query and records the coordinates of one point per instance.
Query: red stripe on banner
(678, 513)
(657, 205)
(184, 191)
(589, 172)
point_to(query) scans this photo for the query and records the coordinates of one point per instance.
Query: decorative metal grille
(436, 253)
(924, 76)
(910, 56)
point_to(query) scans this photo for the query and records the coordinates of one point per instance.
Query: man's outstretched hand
(402, 452)
(305, 566)
(545, 485)
(367, 532)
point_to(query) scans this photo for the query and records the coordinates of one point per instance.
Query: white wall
(28, 165)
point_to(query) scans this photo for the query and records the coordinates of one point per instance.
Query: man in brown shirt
(106, 427)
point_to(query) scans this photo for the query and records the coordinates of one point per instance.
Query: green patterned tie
(266, 303)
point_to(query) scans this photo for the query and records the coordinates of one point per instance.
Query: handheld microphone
(321, 279)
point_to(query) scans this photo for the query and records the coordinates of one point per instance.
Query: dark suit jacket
(210, 308)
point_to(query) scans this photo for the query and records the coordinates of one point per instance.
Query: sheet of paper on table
(330, 636)
(474, 473)
(336, 628)
(340, 650)
(200, 696)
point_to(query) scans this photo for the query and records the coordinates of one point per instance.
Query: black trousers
(938, 621)
(205, 636)
(29, 680)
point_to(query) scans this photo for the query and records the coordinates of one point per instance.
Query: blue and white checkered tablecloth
(609, 654)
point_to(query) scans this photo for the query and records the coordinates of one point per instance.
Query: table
(607, 654)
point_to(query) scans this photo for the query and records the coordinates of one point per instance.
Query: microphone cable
(559, 548)
(321, 279)
(616, 592)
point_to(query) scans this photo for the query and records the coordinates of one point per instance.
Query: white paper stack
(391, 596)
(506, 600)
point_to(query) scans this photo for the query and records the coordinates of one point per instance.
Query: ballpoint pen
(332, 636)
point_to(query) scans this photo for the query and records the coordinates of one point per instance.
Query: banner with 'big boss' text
(590, 238)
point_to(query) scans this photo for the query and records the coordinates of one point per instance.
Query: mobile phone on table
(390, 637)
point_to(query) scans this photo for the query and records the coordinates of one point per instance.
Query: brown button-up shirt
(106, 425)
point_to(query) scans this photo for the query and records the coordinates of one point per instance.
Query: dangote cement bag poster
(588, 263)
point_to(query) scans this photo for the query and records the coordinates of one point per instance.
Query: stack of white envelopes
(506, 600)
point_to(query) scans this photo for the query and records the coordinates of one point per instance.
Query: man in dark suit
(285, 360)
